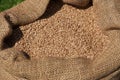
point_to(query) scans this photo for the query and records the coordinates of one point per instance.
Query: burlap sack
(66, 43)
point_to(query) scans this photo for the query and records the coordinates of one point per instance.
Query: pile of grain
(64, 31)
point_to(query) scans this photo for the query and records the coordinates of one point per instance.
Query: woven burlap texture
(66, 43)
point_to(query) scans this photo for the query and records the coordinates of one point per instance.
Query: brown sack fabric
(66, 43)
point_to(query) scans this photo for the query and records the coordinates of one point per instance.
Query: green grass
(6, 4)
